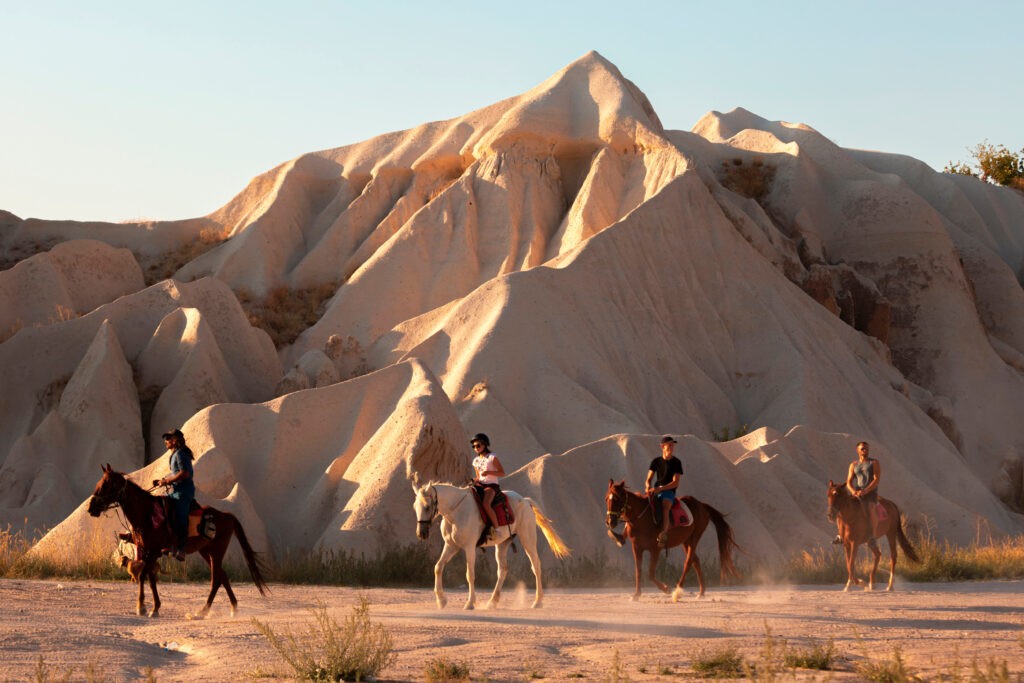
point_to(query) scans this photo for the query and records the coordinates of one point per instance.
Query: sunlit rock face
(560, 271)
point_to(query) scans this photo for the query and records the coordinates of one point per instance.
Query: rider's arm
(647, 484)
(849, 481)
(672, 484)
(876, 471)
(499, 471)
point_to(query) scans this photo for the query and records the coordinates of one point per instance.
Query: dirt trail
(576, 635)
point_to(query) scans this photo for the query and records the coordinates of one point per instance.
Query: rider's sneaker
(837, 540)
(663, 538)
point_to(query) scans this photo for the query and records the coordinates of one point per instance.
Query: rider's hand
(156, 482)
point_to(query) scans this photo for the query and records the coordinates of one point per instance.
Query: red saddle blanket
(679, 514)
(502, 510)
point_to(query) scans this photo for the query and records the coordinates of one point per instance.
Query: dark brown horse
(851, 518)
(638, 513)
(115, 489)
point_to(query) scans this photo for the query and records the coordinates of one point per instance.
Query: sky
(122, 111)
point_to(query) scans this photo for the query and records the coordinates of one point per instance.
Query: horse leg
(874, 567)
(217, 578)
(653, 568)
(501, 557)
(851, 555)
(140, 606)
(447, 553)
(678, 592)
(152, 589)
(531, 553)
(893, 552)
(470, 553)
(638, 559)
(700, 573)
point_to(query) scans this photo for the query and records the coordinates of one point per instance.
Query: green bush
(329, 651)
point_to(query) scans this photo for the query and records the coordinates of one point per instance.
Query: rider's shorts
(668, 494)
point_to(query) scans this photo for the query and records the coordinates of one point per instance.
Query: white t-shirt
(481, 464)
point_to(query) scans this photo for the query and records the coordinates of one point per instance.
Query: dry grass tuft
(329, 651)
(444, 670)
(752, 180)
(163, 266)
(285, 313)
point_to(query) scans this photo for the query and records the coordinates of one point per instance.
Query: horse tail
(726, 543)
(558, 546)
(252, 560)
(908, 549)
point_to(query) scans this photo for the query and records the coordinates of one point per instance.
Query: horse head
(836, 493)
(109, 491)
(425, 505)
(617, 501)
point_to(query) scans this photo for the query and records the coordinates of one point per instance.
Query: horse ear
(831, 483)
(611, 482)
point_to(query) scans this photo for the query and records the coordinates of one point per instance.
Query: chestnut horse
(851, 518)
(642, 530)
(115, 489)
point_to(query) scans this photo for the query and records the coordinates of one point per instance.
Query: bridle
(613, 517)
(432, 508)
(115, 500)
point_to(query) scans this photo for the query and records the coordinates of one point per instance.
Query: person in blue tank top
(862, 482)
(183, 489)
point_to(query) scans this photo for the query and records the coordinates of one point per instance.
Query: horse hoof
(154, 614)
(441, 602)
(469, 605)
(141, 610)
(676, 595)
(535, 605)
(635, 598)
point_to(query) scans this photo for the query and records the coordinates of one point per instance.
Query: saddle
(678, 515)
(502, 511)
(200, 518)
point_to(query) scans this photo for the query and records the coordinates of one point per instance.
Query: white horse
(461, 526)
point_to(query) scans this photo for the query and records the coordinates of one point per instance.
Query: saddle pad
(680, 514)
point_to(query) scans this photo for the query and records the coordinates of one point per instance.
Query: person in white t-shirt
(487, 468)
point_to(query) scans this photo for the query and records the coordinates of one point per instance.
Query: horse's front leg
(638, 558)
(470, 552)
(140, 606)
(653, 569)
(874, 567)
(851, 555)
(447, 553)
(151, 570)
(501, 556)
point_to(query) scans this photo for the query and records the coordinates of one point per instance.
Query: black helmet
(482, 438)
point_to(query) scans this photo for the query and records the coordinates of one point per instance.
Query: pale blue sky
(122, 110)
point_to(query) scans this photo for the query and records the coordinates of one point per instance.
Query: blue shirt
(181, 461)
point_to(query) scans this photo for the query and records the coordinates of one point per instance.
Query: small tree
(993, 164)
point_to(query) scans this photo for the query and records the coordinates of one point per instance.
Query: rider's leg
(666, 509)
(180, 525)
(488, 499)
(872, 514)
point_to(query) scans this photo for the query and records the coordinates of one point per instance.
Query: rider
(183, 488)
(665, 471)
(488, 468)
(862, 482)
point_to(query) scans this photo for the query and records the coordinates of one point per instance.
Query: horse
(641, 529)
(115, 489)
(461, 527)
(849, 514)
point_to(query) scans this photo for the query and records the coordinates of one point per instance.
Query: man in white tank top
(487, 468)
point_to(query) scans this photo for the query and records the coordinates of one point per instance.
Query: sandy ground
(574, 636)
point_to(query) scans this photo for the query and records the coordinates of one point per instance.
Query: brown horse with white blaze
(638, 513)
(116, 489)
(848, 513)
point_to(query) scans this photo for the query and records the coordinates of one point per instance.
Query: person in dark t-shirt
(662, 481)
